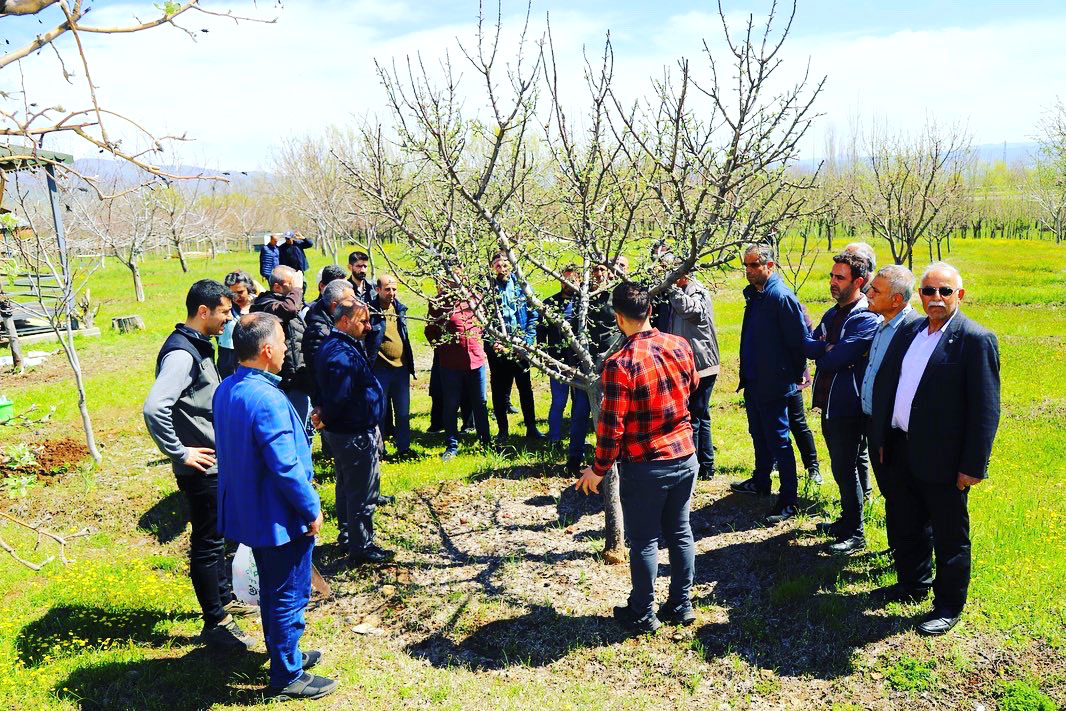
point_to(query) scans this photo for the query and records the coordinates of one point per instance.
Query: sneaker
(308, 686)
(310, 659)
(239, 609)
(469, 430)
(682, 615)
(814, 475)
(511, 409)
(227, 636)
(534, 435)
(829, 528)
(706, 473)
(624, 616)
(386, 500)
(847, 546)
(449, 455)
(748, 486)
(373, 554)
(781, 512)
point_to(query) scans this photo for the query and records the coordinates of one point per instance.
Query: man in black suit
(935, 433)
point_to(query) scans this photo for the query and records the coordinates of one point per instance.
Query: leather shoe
(828, 528)
(848, 545)
(939, 622)
(371, 554)
(899, 593)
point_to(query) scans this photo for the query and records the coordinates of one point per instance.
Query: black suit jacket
(885, 382)
(955, 411)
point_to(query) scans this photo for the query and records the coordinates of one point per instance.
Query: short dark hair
(569, 269)
(632, 300)
(206, 292)
(251, 332)
(241, 277)
(859, 265)
(331, 272)
(358, 256)
(498, 256)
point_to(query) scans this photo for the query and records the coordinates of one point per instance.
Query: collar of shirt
(266, 375)
(897, 318)
(939, 332)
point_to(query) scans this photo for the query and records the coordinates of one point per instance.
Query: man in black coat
(285, 300)
(934, 433)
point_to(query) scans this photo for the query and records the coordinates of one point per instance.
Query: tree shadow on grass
(166, 520)
(785, 611)
(539, 637)
(198, 680)
(66, 629)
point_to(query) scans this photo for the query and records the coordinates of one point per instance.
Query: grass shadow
(66, 629)
(538, 638)
(166, 520)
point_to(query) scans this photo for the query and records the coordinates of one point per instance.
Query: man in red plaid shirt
(644, 426)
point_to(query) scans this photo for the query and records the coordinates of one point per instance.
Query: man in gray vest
(178, 414)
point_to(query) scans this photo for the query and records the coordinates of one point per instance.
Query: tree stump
(125, 324)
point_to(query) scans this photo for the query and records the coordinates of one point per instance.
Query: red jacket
(453, 330)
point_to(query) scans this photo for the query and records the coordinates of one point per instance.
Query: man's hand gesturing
(589, 483)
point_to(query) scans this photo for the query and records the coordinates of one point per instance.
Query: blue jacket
(265, 496)
(269, 258)
(521, 320)
(292, 255)
(771, 341)
(350, 399)
(377, 334)
(845, 362)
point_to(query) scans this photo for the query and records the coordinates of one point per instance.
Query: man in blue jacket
(506, 364)
(265, 497)
(351, 403)
(269, 257)
(839, 348)
(771, 363)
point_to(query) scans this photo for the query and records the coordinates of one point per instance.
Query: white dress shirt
(912, 370)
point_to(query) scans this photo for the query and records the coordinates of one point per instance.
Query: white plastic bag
(245, 576)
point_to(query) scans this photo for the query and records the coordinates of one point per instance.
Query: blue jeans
(655, 502)
(396, 385)
(580, 411)
(454, 383)
(284, 589)
(769, 428)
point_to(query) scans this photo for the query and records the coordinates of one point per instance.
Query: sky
(240, 89)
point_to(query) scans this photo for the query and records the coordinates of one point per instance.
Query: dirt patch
(47, 460)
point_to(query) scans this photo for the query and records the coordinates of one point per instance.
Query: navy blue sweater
(350, 399)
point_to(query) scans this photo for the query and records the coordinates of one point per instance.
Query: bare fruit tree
(905, 182)
(1047, 182)
(695, 169)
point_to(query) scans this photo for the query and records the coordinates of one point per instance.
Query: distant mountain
(1011, 153)
(127, 173)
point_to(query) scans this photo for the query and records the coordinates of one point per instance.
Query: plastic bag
(245, 576)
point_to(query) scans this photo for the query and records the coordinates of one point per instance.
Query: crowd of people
(915, 399)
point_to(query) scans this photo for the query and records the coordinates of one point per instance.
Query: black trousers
(801, 431)
(844, 438)
(436, 400)
(209, 569)
(356, 460)
(886, 484)
(931, 519)
(503, 372)
(699, 410)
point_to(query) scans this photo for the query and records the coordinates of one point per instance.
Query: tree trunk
(181, 258)
(83, 408)
(138, 287)
(614, 547)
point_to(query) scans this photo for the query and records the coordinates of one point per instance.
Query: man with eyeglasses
(936, 428)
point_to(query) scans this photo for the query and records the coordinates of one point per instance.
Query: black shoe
(307, 686)
(829, 528)
(226, 636)
(534, 435)
(676, 614)
(386, 500)
(748, 486)
(310, 659)
(624, 616)
(469, 430)
(239, 609)
(938, 622)
(511, 409)
(573, 466)
(847, 546)
(814, 475)
(403, 455)
(781, 512)
(899, 593)
(371, 554)
(434, 430)
(342, 540)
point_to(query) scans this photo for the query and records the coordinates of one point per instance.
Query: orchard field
(497, 598)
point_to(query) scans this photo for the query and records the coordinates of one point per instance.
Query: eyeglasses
(943, 290)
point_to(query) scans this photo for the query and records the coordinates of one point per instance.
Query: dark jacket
(845, 363)
(350, 398)
(364, 292)
(287, 308)
(292, 255)
(318, 322)
(268, 259)
(772, 335)
(377, 334)
(602, 328)
(887, 379)
(955, 412)
(191, 414)
(550, 334)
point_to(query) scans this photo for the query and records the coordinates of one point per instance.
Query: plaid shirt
(644, 415)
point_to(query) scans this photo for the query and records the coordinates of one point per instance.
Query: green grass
(113, 630)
